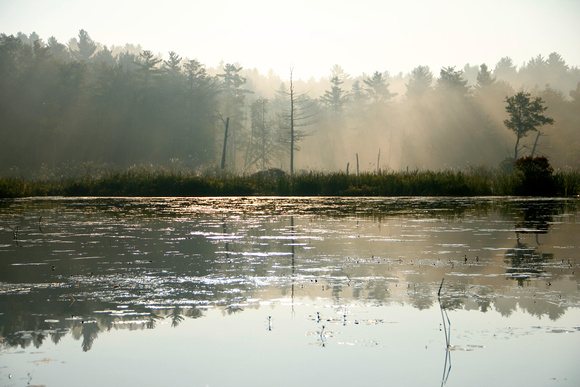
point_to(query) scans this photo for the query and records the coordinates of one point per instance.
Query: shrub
(534, 177)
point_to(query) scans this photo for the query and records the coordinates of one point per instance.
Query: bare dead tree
(227, 124)
(301, 114)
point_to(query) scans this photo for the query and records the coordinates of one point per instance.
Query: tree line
(82, 103)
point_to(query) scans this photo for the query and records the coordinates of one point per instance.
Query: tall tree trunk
(291, 125)
(225, 143)
(536, 143)
(516, 147)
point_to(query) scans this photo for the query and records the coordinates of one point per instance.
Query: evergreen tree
(201, 101)
(420, 82)
(357, 93)
(233, 103)
(451, 80)
(377, 89)
(105, 55)
(147, 63)
(484, 77)
(173, 65)
(261, 147)
(335, 98)
(195, 74)
(86, 47)
(59, 50)
(505, 69)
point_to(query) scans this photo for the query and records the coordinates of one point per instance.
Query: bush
(534, 177)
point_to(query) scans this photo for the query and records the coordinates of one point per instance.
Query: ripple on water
(159, 257)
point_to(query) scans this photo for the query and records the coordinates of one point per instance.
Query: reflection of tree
(176, 317)
(57, 335)
(193, 313)
(421, 296)
(455, 297)
(535, 219)
(378, 291)
(233, 309)
(540, 308)
(526, 262)
(484, 299)
(225, 232)
(89, 331)
(536, 307)
(534, 214)
(293, 273)
(505, 306)
(447, 331)
(202, 277)
(152, 320)
(336, 290)
(18, 339)
(38, 338)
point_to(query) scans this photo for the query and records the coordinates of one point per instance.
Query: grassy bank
(162, 182)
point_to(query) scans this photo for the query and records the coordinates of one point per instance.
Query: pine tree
(420, 82)
(484, 77)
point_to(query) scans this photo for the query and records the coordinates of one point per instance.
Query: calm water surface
(290, 292)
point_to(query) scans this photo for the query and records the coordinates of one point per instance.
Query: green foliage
(526, 115)
(60, 104)
(567, 183)
(82, 102)
(12, 187)
(506, 166)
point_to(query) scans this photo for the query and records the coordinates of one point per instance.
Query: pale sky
(312, 35)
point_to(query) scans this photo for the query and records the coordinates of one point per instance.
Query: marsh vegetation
(530, 177)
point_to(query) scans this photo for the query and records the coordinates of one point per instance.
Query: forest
(81, 107)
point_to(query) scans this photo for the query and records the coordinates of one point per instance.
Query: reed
(148, 181)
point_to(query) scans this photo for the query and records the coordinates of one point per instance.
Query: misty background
(79, 103)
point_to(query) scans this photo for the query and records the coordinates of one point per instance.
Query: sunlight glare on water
(289, 291)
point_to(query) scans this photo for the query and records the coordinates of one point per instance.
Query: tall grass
(148, 181)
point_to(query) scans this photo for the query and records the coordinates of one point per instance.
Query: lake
(290, 291)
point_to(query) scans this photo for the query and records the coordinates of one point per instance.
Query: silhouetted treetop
(419, 82)
(484, 77)
(119, 106)
(452, 80)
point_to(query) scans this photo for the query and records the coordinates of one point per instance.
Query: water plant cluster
(529, 177)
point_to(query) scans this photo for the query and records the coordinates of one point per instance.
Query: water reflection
(446, 323)
(84, 266)
(525, 261)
